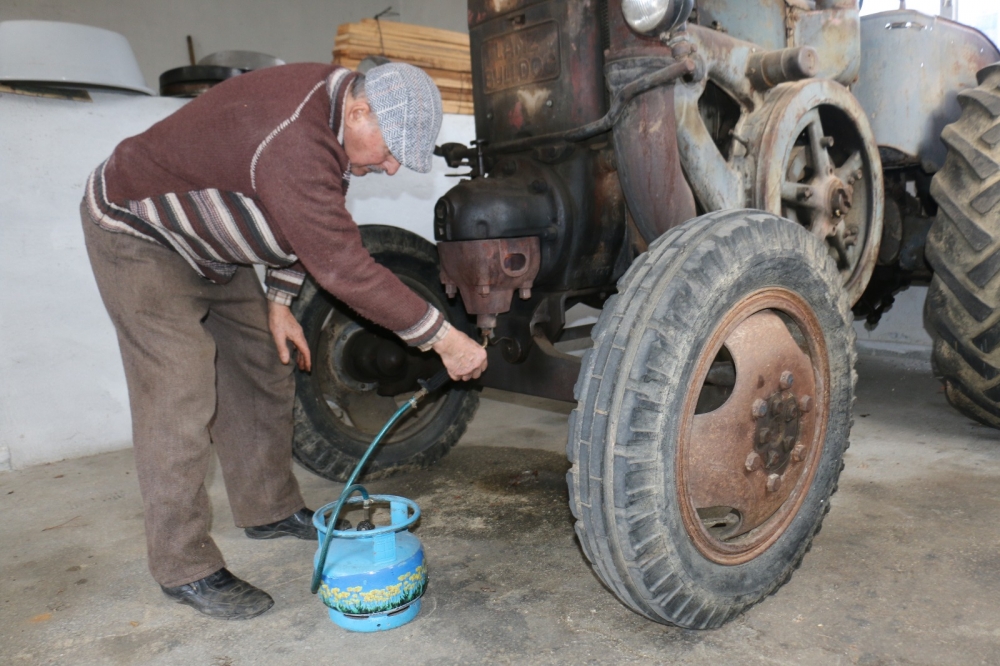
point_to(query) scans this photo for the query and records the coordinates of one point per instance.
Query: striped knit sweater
(254, 172)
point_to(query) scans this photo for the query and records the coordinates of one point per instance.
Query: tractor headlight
(652, 16)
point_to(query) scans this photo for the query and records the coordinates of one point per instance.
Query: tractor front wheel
(714, 411)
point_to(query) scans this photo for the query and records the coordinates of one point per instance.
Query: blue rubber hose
(428, 386)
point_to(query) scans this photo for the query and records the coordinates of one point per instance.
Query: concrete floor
(905, 570)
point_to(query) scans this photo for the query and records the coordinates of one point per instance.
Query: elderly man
(252, 172)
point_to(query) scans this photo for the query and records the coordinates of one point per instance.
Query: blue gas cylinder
(372, 580)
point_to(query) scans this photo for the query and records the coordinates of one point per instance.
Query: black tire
(327, 442)
(636, 520)
(963, 248)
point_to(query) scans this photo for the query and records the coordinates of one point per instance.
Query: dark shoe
(222, 595)
(298, 525)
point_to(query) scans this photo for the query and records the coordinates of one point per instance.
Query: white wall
(293, 30)
(62, 389)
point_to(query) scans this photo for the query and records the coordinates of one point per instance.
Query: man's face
(363, 141)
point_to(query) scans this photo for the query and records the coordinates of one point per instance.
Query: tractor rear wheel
(962, 310)
(363, 373)
(714, 411)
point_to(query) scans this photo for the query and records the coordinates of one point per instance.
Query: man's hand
(284, 329)
(462, 356)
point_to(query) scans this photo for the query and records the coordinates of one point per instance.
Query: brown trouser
(201, 369)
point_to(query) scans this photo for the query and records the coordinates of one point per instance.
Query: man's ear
(357, 112)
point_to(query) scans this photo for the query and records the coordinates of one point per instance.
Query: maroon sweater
(254, 171)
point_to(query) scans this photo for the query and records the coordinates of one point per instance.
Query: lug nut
(758, 409)
(786, 380)
(799, 453)
(773, 483)
(753, 461)
(763, 435)
(805, 403)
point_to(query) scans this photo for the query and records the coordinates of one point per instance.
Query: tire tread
(962, 310)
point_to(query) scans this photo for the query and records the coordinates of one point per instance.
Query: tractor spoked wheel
(817, 164)
(713, 414)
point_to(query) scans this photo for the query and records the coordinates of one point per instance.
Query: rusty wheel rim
(745, 467)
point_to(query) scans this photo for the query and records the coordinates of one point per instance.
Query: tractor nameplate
(521, 57)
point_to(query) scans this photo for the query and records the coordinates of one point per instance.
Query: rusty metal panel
(536, 67)
(649, 165)
(912, 68)
(488, 271)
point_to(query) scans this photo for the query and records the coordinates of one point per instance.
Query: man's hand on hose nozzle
(463, 357)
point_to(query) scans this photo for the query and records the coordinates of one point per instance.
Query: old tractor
(726, 180)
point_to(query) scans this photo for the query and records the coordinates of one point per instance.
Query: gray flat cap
(407, 105)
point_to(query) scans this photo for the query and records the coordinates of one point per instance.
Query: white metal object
(245, 60)
(68, 53)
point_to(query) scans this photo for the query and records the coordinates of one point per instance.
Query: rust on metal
(649, 164)
(778, 428)
(730, 460)
(487, 272)
(536, 67)
(522, 57)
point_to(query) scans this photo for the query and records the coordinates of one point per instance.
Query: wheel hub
(776, 439)
(378, 362)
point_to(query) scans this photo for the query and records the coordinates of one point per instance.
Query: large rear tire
(714, 410)
(963, 247)
(362, 373)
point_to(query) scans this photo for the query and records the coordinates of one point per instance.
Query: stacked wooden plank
(443, 54)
